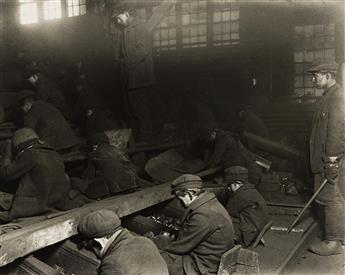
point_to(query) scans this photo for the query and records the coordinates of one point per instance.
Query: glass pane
(51, 9)
(226, 16)
(185, 19)
(299, 57)
(28, 13)
(217, 16)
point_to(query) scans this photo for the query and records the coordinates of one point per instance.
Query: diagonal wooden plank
(24, 241)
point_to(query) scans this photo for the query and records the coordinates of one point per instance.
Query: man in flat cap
(246, 206)
(206, 230)
(327, 148)
(136, 66)
(120, 252)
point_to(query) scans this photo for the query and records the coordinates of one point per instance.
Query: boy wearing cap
(246, 206)
(40, 172)
(120, 252)
(206, 230)
(327, 149)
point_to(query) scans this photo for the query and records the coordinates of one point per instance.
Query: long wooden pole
(292, 225)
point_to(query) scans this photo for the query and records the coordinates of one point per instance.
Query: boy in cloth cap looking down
(120, 252)
(206, 230)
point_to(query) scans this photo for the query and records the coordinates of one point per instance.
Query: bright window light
(28, 12)
(51, 9)
(76, 7)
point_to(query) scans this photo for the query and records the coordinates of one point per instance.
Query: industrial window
(76, 7)
(225, 28)
(164, 36)
(311, 42)
(51, 9)
(194, 23)
(28, 11)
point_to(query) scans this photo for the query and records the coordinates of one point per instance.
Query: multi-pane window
(51, 9)
(164, 36)
(225, 26)
(76, 7)
(312, 42)
(194, 23)
(28, 11)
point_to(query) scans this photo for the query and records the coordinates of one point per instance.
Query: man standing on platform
(136, 67)
(327, 148)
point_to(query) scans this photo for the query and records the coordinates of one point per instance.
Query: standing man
(206, 232)
(136, 66)
(327, 148)
(120, 252)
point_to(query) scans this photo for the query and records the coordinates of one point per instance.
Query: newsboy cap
(25, 94)
(323, 66)
(186, 181)
(99, 224)
(235, 173)
(123, 7)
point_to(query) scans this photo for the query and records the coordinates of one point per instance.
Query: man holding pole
(327, 149)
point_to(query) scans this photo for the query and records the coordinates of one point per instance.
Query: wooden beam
(24, 241)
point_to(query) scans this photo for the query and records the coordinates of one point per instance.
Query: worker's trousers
(332, 209)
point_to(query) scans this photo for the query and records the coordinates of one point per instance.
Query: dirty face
(320, 80)
(123, 19)
(185, 198)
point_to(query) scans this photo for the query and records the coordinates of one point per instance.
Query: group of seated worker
(206, 232)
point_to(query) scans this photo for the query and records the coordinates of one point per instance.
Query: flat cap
(323, 66)
(186, 181)
(123, 7)
(99, 223)
(236, 173)
(25, 94)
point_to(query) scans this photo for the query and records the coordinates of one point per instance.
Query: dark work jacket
(136, 55)
(49, 92)
(132, 255)
(42, 185)
(206, 234)
(247, 205)
(50, 125)
(327, 137)
(110, 172)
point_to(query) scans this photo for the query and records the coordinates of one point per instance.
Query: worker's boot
(326, 248)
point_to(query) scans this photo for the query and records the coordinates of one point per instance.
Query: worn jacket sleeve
(335, 140)
(219, 150)
(191, 235)
(142, 47)
(30, 120)
(110, 269)
(17, 169)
